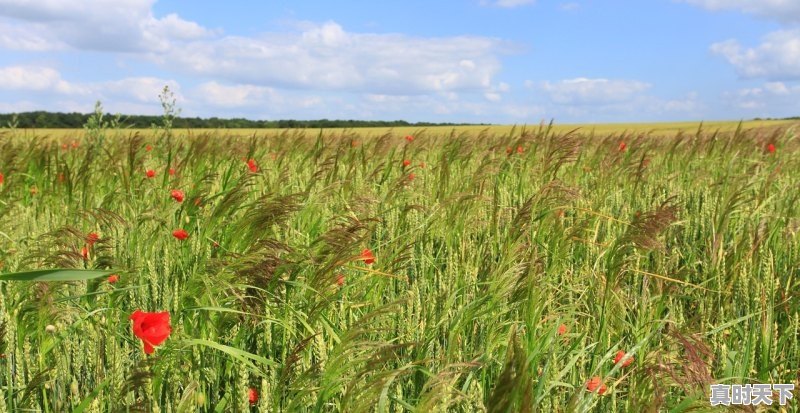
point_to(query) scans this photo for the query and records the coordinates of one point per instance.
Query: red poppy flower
(406, 162)
(252, 395)
(596, 384)
(180, 234)
(411, 177)
(620, 355)
(113, 278)
(91, 238)
(171, 171)
(177, 195)
(353, 143)
(509, 150)
(340, 279)
(85, 252)
(409, 138)
(152, 328)
(520, 149)
(150, 173)
(771, 148)
(251, 164)
(562, 329)
(2, 178)
(148, 148)
(622, 146)
(74, 144)
(64, 146)
(367, 256)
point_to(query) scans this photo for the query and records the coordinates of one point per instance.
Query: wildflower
(91, 238)
(2, 178)
(596, 384)
(148, 148)
(252, 395)
(180, 234)
(562, 329)
(367, 256)
(340, 279)
(771, 148)
(406, 162)
(520, 149)
(251, 164)
(411, 177)
(354, 143)
(74, 144)
(113, 278)
(619, 358)
(177, 195)
(152, 328)
(85, 252)
(622, 146)
(509, 150)
(64, 146)
(409, 138)
(150, 173)
(171, 171)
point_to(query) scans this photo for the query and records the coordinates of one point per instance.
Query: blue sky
(495, 61)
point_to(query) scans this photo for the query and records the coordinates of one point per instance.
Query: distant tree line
(42, 119)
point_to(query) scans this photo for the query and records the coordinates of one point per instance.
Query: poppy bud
(180, 234)
(596, 384)
(177, 195)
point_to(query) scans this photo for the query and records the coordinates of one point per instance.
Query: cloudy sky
(497, 61)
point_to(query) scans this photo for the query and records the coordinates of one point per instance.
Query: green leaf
(246, 358)
(55, 275)
(91, 396)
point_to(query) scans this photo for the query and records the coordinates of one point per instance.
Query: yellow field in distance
(664, 129)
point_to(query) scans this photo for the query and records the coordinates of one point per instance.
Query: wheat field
(515, 270)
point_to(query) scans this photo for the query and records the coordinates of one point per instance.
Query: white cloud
(216, 94)
(140, 89)
(508, 4)
(104, 25)
(786, 11)
(30, 38)
(495, 93)
(776, 58)
(772, 99)
(34, 78)
(312, 56)
(326, 57)
(65, 95)
(583, 91)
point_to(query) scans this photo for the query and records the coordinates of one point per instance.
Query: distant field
(665, 128)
